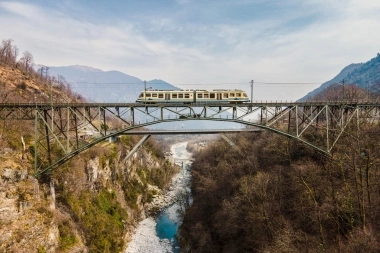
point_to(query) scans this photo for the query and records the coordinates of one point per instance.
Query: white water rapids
(145, 239)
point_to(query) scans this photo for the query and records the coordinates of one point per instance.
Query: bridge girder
(68, 129)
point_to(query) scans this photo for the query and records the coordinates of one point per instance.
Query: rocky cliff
(89, 204)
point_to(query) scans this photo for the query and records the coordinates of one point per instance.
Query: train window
(148, 95)
(225, 95)
(154, 95)
(232, 94)
(199, 95)
(187, 95)
(238, 95)
(245, 94)
(205, 95)
(180, 95)
(161, 95)
(212, 95)
(174, 95)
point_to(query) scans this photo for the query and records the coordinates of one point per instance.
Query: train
(193, 96)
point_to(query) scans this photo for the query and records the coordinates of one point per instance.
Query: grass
(67, 237)
(101, 217)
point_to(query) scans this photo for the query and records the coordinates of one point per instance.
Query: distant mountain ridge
(97, 85)
(365, 75)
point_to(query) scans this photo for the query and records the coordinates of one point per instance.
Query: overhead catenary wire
(247, 84)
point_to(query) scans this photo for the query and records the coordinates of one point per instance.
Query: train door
(167, 96)
(219, 97)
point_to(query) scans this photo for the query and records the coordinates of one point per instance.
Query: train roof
(197, 90)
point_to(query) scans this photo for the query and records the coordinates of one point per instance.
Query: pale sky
(204, 42)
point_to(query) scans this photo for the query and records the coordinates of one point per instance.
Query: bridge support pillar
(35, 140)
(138, 145)
(132, 117)
(234, 112)
(232, 144)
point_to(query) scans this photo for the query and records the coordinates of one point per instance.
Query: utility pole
(342, 90)
(144, 91)
(251, 91)
(51, 93)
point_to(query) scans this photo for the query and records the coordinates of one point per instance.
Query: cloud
(22, 10)
(292, 41)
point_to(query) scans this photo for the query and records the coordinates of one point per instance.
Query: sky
(287, 47)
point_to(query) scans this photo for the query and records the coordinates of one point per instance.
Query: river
(157, 234)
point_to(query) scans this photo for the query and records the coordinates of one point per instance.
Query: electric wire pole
(251, 91)
(144, 91)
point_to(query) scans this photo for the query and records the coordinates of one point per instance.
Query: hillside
(26, 219)
(16, 86)
(365, 75)
(89, 204)
(280, 196)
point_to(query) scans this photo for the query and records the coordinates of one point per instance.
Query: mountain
(97, 85)
(160, 85)
(365, 75)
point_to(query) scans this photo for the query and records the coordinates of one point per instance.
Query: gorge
(157, 234)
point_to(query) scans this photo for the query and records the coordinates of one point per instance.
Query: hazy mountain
(105, 86)
(160, 85)
(365, 75)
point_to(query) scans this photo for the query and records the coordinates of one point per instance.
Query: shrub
(22, 85)
(66, 236)
(101, 218)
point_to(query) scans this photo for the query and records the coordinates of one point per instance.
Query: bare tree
(345, 92)
(6, 52)
(15, 54)
(27, 61)
(41, 71)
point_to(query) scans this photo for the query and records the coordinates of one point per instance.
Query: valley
(273, 190)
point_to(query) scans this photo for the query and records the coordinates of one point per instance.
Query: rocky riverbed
(145, 239)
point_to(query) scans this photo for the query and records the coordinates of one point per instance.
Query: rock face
(47, 217)
(91, 203)
(26, 221)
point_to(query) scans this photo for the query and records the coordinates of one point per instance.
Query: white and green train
(192, 96)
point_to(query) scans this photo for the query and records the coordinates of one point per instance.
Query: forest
(281, 196)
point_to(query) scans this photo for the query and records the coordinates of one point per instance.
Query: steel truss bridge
(64, 130)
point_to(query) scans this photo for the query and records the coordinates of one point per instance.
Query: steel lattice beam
(64, 130)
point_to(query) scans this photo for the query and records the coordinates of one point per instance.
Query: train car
(192, 96)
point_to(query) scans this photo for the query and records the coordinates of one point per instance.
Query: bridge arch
(74, 153)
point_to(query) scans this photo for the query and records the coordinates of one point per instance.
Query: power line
(118, 84)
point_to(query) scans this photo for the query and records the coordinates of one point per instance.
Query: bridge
(70, 128)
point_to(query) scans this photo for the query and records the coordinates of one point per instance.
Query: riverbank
(145, 239)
